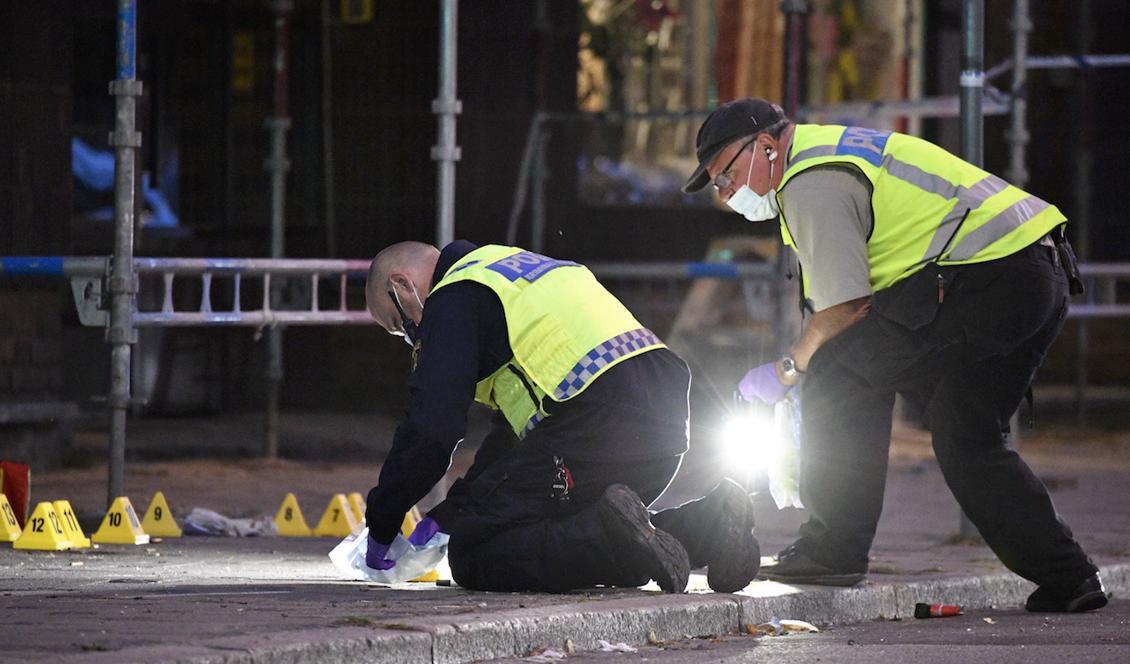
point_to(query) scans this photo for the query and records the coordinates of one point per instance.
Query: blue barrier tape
(44, 266)
(718, 270)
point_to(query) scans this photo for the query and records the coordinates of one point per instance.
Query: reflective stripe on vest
(604, 355)
(910, 162)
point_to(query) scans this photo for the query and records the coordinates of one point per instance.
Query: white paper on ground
(202, 521)
(411, 561)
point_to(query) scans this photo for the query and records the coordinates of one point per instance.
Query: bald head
(405, 267)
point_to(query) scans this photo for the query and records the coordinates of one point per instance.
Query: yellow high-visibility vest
(929, 205)
(565, 329)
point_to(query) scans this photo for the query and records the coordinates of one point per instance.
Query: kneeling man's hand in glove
(424, 531)
(375, 555)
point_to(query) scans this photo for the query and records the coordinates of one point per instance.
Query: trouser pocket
(913, 303)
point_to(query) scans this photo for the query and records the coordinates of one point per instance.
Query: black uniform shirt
(462, 339)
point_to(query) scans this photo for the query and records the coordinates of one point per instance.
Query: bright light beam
(750, 443)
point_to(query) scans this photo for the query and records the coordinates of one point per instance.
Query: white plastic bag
(784, 467)
(411, 561)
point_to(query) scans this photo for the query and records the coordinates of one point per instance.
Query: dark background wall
(35, 189)
(206, 66)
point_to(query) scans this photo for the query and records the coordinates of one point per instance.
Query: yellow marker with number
(120, 525)
(70, 525)
(357, 504)
(289, 521)
(337, 520)
(411, 518)
(44, 532)
(9, 525)
(158, 520)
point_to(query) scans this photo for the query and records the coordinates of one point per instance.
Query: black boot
(1088, 596)
(793, 566)
(717, 531)
(639, 544)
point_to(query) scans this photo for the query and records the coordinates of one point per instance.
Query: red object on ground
(17, 487)
(936, 610)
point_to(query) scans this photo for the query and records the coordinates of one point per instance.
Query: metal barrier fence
(240, 282)
(224, 292)
(231, 280)
(1100, 301)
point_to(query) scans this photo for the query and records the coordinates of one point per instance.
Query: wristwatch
(789, 367)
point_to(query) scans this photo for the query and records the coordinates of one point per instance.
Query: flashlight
(749, 441)
(760, 445)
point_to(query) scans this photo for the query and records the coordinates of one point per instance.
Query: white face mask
(409, 329)
(754, 206)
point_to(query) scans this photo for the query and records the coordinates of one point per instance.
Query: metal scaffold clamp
(125, 138)
(446, 153)
(972, 78)
(125, 285)
(447, 106)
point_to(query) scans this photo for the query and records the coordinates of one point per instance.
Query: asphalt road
(996, 636)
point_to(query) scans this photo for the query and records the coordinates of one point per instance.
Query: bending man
(928, 277)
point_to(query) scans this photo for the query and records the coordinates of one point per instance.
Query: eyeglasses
(724, 180)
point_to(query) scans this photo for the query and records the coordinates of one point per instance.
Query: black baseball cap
(726, 124)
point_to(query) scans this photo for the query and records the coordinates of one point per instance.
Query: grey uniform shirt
(827, 210)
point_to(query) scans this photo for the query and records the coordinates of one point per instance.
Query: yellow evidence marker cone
(120, 525)
(43, 531)
(9, 526)
(158, 520)
(357, 504)
(411, 518)
(70, 525)
(337, 520)
(289, 521)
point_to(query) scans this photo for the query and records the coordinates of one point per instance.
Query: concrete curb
(441, 640)
(850, 605)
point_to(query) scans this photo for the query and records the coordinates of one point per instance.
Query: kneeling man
(591, 427)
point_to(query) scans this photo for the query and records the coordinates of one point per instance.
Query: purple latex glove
(424, 531)
(375, 555)
(761, 384)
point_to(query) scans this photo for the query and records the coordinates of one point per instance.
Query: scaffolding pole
(446, 106)
(796, 46)
(278, 165)
(122, 284)
(972, 122)
(328, 131)
(796, 12)
(1018, 130)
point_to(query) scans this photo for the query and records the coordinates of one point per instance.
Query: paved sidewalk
(278, 600)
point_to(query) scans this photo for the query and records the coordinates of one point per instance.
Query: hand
(375, 556)
(761, 383)
(424, 531)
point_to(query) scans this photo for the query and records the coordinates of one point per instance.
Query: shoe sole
(1091, 601)
(738, 560)
(1088, 602)
(843, 580)
(623, 513)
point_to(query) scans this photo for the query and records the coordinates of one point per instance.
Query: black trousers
(524, 518)
(968, 362)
